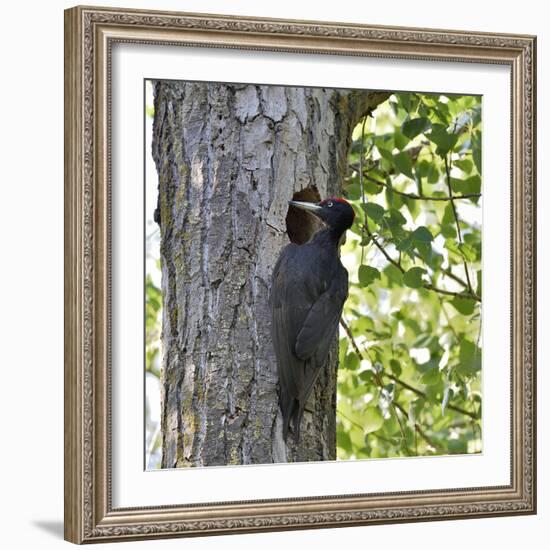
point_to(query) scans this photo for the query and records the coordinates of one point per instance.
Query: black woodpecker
(308, 291)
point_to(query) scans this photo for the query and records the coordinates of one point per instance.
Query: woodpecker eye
(329, 204)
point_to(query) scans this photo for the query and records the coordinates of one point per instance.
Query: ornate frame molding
(89, 33)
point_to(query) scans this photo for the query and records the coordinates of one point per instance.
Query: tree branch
(420, 393)
(427, 286)
(351, 338)
(451, 275)
(413, 195)
(449, 324)
(424, 436)
(402, 383)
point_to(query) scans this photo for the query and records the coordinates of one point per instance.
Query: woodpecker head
(334, 212)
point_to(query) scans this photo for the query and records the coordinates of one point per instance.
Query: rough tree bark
(229, 157)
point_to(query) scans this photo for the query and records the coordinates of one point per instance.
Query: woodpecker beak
(311, 206)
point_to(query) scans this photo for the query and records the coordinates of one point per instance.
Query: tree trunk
(229, 157)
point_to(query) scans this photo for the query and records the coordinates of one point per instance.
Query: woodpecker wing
(321, 323)
(305, 314)
(289, 309)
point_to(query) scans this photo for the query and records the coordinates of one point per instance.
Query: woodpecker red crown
(336, 199)
(340, 200)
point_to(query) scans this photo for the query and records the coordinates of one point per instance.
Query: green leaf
(411, 128)
(405, 244)
(469, 358)
(399, 139)
(433, 173)
(422, 341)
(476, 150)
(431, 377)
(465, 165)
(458, 446)
(447, 394)
(468, 252)
(368, 275)
(448, 231)
(443, 139)
(343, 440)
(448, 215)
(465, 306)
(366, 376)
(405, 99)
(372, 188)
(395, 367)
(415, 408)
(424, 250)
(479, 282)
(374, 211)
(396, 218)
(422, 167)
(412, 206)
(353, 191)
(413, 277)
(351, 362)
(385, 153)
(388, 190)
(373, 420)
(422, 234)
(363, 324)
(403, 163)
(434, 392)
(467, 186)
(394, 274)
(342, 349)
(453, 247)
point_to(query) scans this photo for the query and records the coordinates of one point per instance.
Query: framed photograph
(300, 274)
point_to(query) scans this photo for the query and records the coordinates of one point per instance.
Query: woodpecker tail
(297, 420)
(287, 408)
(292, 414)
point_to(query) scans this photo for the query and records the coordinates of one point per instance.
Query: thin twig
(357, 425)
(424, 436)
(454, 277)
(455, 213)
(382, 249)
(427, 286)
(449, 324)
(361, 160)
(420, 393)
(361, 186)
(396, 406)
(351, 338)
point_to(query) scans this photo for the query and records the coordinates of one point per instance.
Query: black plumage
(309, 288)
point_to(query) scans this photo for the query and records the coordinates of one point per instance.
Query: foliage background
(409, 381)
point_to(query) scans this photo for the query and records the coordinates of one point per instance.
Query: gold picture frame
(89, 36)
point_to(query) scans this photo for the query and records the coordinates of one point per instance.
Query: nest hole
(301, 225)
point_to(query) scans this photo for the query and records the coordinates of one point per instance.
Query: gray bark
(229, 157)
